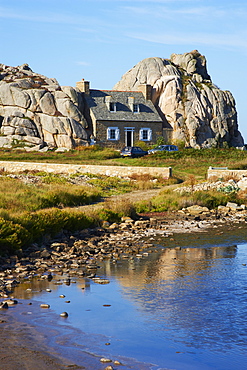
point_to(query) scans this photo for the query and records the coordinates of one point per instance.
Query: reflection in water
(196, 293)
(191, 298)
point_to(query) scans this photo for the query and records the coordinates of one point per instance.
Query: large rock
(242, 184)
(36, 110)
(199, 112)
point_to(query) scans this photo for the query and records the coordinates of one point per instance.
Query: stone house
(122, 118)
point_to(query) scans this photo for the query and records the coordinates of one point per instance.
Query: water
(175, 309)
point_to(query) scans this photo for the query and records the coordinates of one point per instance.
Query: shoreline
(28, 342)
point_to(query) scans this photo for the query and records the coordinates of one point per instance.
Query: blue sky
(100, 40)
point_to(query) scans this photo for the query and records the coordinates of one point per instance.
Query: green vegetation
(16, 196)
(31, 211)
(183, 162)
(18, 232)
(77, 156)
(169, 200)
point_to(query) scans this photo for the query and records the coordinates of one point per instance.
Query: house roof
(97, 104)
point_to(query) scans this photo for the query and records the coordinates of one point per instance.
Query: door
(129, 136)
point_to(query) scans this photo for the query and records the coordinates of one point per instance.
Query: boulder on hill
(200, 114)
(36, 110)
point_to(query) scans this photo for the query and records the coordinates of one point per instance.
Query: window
(136, 108)
(113, 133)
(145, 134)
(112, 107)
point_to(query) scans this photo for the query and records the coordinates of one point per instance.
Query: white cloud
(211, 39)
(211, 12)
(82, 63)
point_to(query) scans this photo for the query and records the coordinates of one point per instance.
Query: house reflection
(170, 264)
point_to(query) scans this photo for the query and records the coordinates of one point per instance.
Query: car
(160, 148)
(133, 151)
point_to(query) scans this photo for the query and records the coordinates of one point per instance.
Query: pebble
(64, 314)
(89, 246)
(11, 302)
(101, 281)
(44, 305)
(116, 362)
(105, 360)
(3, 305)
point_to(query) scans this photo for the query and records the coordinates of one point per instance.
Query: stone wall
(215, 173)
(120, 171)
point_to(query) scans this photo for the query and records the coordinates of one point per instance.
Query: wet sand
(23, 347)
(33, 340)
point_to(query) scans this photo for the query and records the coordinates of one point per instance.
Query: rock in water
(200, 114)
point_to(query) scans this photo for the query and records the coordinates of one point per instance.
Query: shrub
(169, 200)
(142, 145)
(212, 199)
(50, 222)
(122, 208)
(12, 236)
(56, 198)
(108, 215)
(160, 140)
(144, 206)
(179, 143)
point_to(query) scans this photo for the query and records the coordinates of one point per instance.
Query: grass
(169, 200)
(185, 162)
(16, 196)
(18, 232)
(76, 156)
(30, 212)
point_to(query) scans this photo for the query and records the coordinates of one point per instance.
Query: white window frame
(149, 134)
(136, 108)
(114, 106)
(117, 133)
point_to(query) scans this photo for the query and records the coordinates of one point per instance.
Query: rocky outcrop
(35, 111)
(200, 114)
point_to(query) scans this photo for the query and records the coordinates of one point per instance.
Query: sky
(100, 40)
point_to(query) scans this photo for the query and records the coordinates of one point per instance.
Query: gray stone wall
(120, 171)
(102, 126)
(217, 173)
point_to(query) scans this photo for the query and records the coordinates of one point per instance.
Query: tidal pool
(173, 309)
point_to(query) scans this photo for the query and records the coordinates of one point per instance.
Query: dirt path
(132, 197)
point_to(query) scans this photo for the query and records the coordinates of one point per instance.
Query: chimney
(146, 90)
(83, 86)
(111, 105)
(131, 102)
